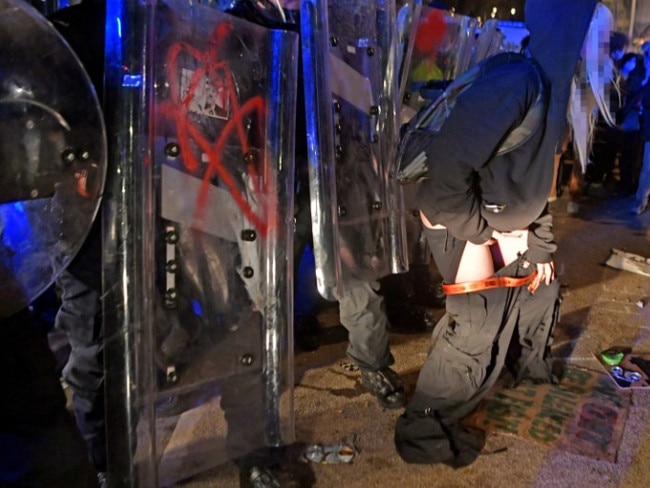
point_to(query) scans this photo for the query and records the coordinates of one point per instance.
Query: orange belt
(488, 283)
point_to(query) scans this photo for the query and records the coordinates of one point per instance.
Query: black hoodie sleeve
(541, 240)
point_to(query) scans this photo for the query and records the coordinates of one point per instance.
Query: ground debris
(628, 262)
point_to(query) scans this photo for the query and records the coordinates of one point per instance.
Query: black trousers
(80, 317)
(479, 334)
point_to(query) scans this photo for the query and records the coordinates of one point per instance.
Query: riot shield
(209, 341)
(350, 84)
(443, 46)
(407, 17)
(52, 155)
(488, 43)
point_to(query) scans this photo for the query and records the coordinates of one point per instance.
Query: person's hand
(545, 274)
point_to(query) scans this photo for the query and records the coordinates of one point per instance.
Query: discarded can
(626, 375)
(346, 454)
(330, 454)
(315, 453)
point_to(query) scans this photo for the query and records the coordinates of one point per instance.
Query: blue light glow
(196, 306)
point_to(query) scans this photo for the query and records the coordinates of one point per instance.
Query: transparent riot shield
(442, 49)
(52, 155)
(488, 43)
(406, 22)
(201, 230)
(390, 102)
(350, 90)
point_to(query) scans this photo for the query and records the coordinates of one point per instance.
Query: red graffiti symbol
(217, 75)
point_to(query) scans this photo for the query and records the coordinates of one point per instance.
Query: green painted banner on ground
(585, 414)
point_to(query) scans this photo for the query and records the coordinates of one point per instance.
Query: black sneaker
(257, 477)
(386, 385)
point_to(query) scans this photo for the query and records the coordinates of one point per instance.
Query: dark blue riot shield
(199, 355)
(52, 155)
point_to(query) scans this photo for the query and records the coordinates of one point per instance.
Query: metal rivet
(377, 205)
(171, 266)
(343, 211)
(171, 375)
(68, 156)
(248, 235)
(172, 150)
(371, 51)
(248, 272)
(334, 41)
(171, 237)
(247, 359)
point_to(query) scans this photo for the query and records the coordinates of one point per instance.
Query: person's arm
(541, 240)
(541, 246)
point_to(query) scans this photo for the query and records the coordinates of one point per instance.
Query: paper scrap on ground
(629, 262)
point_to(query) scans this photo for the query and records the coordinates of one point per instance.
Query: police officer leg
(361, 311)
(80, 317)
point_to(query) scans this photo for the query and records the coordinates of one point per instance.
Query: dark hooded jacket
(467, 181)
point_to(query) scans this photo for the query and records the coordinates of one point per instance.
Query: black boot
(386, 385)
(257, 477)
(256, 469)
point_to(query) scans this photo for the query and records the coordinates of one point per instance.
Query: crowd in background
(619, 162)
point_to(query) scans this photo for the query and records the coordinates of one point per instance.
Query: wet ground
(603, 307)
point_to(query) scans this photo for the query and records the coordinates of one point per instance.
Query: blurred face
(592, 82)
(596, 64)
